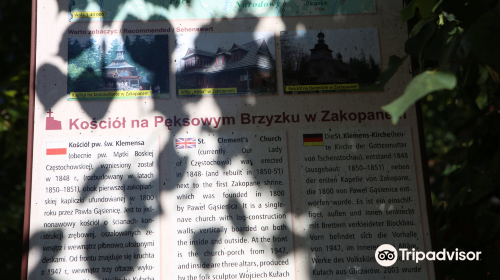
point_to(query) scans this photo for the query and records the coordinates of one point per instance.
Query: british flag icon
(185, 143)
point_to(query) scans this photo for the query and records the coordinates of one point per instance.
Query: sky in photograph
(349, 42)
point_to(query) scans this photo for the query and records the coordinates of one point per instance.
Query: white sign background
(256, 113)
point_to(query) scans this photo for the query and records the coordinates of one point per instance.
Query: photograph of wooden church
(120, 75)
(345, 59)
(237, 61)
(118, 66)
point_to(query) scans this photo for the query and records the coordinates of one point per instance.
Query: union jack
(185, 143)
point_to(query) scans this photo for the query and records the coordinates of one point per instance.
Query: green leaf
(419, 87)
(10, 93)
(416, 29)
(494, 75)
(482, 99)
(409, 11)
(425, 7)
(437, 5)
(394, 63)
(483, 75)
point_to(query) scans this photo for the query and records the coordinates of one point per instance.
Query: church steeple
(325, 69)
(119, 53)
(321, 37)
(321, 42)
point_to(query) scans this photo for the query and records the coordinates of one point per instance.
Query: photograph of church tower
(226, 64)
(324, 69)
(116, 67)
(119, 74)
(330, 60)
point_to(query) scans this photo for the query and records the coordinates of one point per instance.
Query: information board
(203, 140)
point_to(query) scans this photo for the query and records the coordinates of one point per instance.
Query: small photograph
(326, 61)
(115, 67)
(225, 64)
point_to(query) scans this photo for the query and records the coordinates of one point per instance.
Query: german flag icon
(313, 139)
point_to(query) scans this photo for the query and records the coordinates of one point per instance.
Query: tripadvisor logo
(386, 255)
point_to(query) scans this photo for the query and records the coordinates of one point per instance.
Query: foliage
(14, 81)
(148, 55)
(85, 66)
(420, 86)
(367, 70)
(295, 61)
(111, 54)
(454, 46)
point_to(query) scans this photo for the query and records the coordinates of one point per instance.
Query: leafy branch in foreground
(455, 47)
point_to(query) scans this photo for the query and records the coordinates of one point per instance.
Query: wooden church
(324, 69)
(120, 75)
(248, 67)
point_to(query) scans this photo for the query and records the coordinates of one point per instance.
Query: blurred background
(15, 30)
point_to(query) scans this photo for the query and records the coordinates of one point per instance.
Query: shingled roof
(257, 55)
(123, 65)
(190, 52)
(222, 51)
